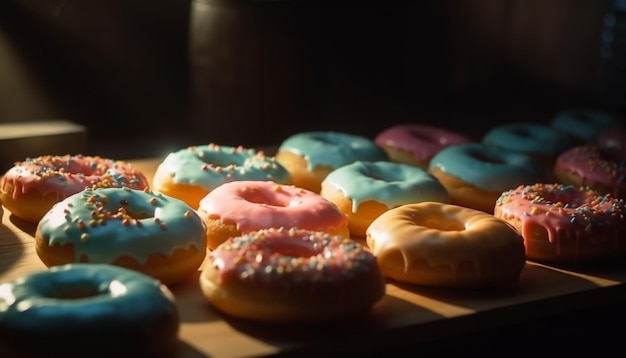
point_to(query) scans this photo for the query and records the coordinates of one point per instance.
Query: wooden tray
(405, 317)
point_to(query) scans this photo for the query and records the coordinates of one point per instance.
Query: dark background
(145, 74)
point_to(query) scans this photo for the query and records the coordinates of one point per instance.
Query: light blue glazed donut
(323, 152)
(530, 138)
(86, 310)
(387, 183)
(585, 124)
(489, 169)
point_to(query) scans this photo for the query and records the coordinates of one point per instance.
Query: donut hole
(262, 197)
(523, 132)
(485, 158)
(574, 199)
(75, 290)
(292, 247)
(442, 224)
(417, 134)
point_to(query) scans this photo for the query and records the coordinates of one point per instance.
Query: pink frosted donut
(31, 187)
(601, 169)
(280, 275)
(564, 223)
(416, 144)
(237, 208)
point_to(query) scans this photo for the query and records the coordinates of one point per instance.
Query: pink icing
(277, 256)
(67, 175)
(596, 166)
(255, 205)
(568, 214)
(422, 141)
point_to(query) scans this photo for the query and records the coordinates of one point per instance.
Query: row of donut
(268, 274)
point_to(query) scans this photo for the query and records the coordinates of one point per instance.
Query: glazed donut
(237, 208)
(475, 174)
(191, 173)
(588, 165)
(87, 310)
(416, 144)
(310, 156)
(540, 141)
(280, 275)
(364, 190)
(31, 187)
(585, 124)
(564, 223)
(445, 245)
(152, 233)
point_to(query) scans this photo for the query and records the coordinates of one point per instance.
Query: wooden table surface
(406, 316)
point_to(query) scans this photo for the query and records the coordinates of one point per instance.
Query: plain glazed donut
(87, 310)
(416, 144)
(280, 275)
(603, 170)
(310, 156)
(475, 174)
(152, 233)
(444, 245)
(31, 187)
(364, 190)
(191, 173)
(565, 224)
(584, 124)
(238, 208)
(541, 141)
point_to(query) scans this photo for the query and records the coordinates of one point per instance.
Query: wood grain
(405, 317)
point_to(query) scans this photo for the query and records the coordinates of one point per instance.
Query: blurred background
(143, 76)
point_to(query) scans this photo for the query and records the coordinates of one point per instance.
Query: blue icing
(586, 124)
(488, 167)
(531, 138)
(212, 165)
(392, 184)
(332, 149)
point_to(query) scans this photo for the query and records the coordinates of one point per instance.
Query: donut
(87, 310)
(291, 275)
(584, 124)
(237, 208)
(564, 223)
(415, 144)
(310, 156)
(600, 169)
(445, 245)
(364, 190)
(541, 141)
(31, 187)
(151, 233)
(475, 174)
(613, 140)
(191, 173)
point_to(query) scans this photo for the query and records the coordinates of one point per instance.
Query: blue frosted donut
(530, 138)
(475, 174)
(87, 310)
(585, 124)
(310, 156)
(364, 190)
